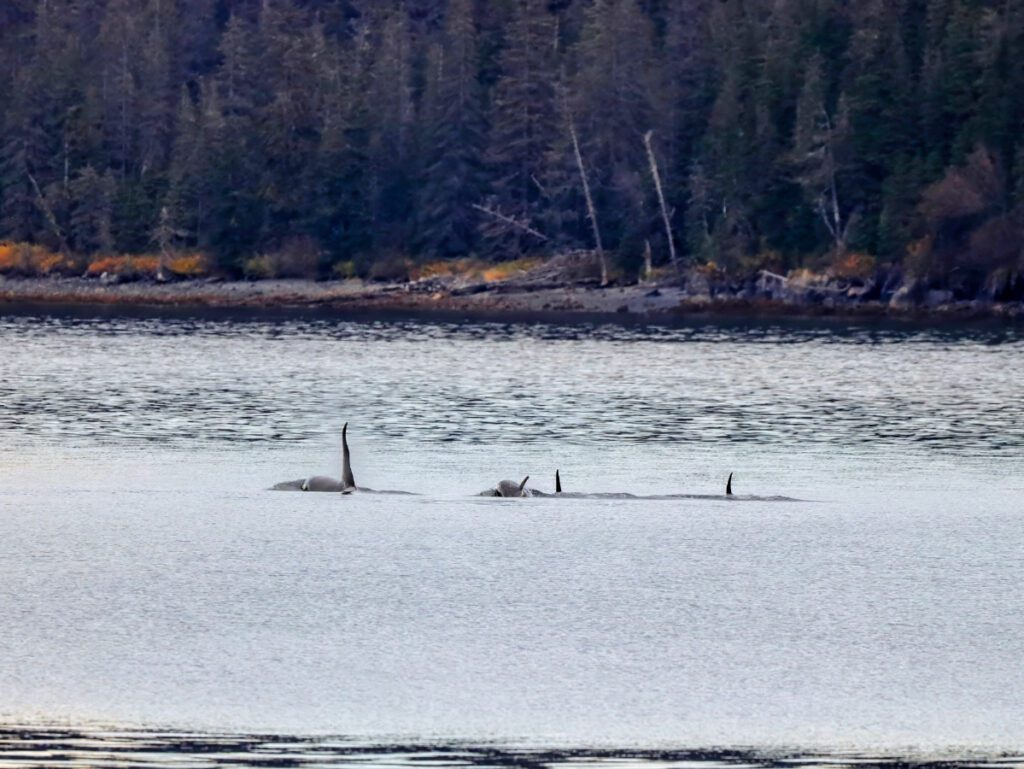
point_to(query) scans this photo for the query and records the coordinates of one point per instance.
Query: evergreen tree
(238, 214)
(525, 123)
(392, 162)
(369, 130)
(91, 214)
(342, 212)
(612, 101)
(453, 110)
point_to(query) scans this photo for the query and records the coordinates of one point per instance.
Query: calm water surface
(150, 581)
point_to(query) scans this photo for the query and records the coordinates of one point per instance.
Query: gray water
(150, 580)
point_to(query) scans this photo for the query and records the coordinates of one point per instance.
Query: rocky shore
(552, 290)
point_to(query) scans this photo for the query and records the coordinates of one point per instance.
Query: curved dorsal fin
(523, 484)
(347, 479)
(728, 486)
(558, 483)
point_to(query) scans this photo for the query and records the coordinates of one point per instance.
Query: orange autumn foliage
(147, 265)
(189, 265)
(506, 270)
(474, 269)
(32, 260)
(854, 265)
(124, 265)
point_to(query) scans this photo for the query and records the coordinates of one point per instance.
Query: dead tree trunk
(828, 201)
(51, 218)
(591, 213)
(661, 202)
(163, 235)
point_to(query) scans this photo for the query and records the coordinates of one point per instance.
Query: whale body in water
(514, 489)
(519, 489)
(346, 485)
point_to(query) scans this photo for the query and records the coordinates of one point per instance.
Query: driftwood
(773, 276)
(766, 278)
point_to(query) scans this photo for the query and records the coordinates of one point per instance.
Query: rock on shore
(535, 292)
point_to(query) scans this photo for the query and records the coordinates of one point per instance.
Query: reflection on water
(182, 381)
(27, 748)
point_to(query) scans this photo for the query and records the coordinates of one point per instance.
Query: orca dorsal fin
(347, 480)
(728, 486)
(558, 483)
(523, 484)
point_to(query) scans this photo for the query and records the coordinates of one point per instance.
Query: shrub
(37, 261)
(768, 259)
(920, 257)
(474, 269)
(854, 265)
(189, 265)
(296, 258)
(127, 267)
(393, 268)
(998, 244)
(506, 270)
(259, 267)
(448, 268)
(34, 261)
(344, 270)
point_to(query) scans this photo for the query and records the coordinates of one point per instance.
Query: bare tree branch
(511, 222)
(540, 186)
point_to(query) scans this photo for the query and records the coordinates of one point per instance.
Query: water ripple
(29, 748)
(188, 381)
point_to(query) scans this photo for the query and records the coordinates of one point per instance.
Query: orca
(513, 489)
(346, 485)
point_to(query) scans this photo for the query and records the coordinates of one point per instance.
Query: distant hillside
(346, 136)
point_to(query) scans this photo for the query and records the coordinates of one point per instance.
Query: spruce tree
(525, 124)
(391, 135)
(612, 100)
(92, 197)
(453, 180)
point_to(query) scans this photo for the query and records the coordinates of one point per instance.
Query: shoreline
(509, 301)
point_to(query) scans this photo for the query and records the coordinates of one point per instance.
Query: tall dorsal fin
(728, 486)
(523, 484)
(558, 483)
(347, 480)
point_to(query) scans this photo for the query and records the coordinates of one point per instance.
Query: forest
(352, 137)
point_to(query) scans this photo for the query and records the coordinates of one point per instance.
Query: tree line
(784, 133)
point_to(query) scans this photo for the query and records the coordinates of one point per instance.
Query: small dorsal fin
(728, 486)
(558, 483)
(523, 484)
(347, 480)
